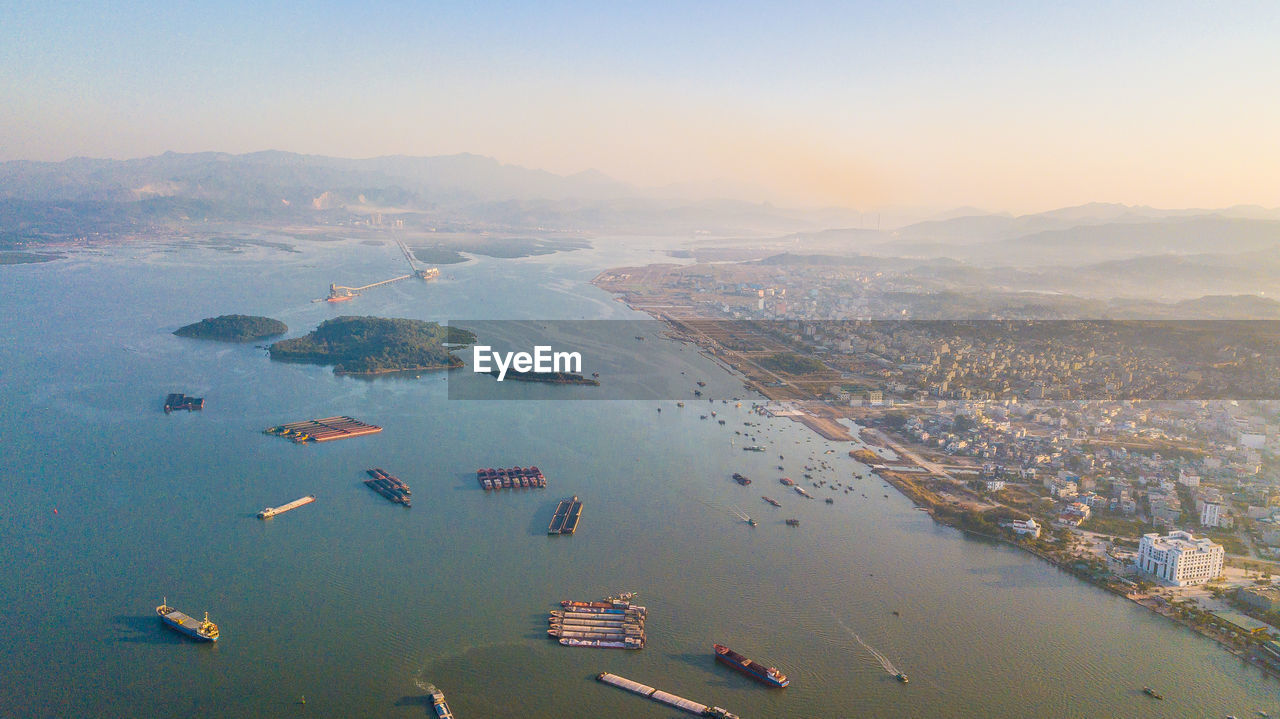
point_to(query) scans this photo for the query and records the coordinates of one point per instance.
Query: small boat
(895, 613)
(901, 677)
(830, 500)
(679, 404)
(793, 523)
(751, 521)
(1152, 693)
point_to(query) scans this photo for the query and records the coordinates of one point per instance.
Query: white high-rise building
(1179, 558)
(1211, 515)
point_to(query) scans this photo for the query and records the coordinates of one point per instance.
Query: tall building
(1179, 558)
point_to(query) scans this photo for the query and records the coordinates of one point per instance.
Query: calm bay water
(357, 603)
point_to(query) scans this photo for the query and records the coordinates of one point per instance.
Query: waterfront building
(1179, 558)
(1265, 598)
(1022, 527)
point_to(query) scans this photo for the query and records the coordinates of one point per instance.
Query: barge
(323, 430)
(270, 512)
(741, 479)
(662, 697)
(513, 478)
(565, 520)
(177, 400)
(612, 624)
(390, 487)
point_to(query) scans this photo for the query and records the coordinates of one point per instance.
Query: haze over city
(926, 105)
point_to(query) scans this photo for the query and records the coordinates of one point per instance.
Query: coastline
(942, 512)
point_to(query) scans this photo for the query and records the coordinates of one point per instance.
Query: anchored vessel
(390, 487)
(662, 697)
(177, 400)
(741, 479)
(270, 512)
(205, 631)
(513, 478)
(323, 430)
(565, 520)
(759, 672)
(612, 624)
(774, 502)
(438, 704)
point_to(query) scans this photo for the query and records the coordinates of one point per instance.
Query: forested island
(233, 328)
(552, 377)
(376, 345)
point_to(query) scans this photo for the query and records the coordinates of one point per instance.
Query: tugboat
(1152, 693)
(205, 631)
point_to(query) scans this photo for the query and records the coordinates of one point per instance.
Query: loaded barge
(205, 631)
(393, 488)
(323, 430)
(662, 697)
(612, 624)
(565, 520)
(513, 478)
(270, 512)
(765, 675)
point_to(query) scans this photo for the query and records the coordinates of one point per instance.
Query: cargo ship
(787, 482)
(205, 631)
(438, 704)
(741, 479)
(513, 478)
(765, 675)
(774, 502)
(270, 512)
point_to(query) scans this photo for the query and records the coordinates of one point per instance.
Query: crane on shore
(342, 293)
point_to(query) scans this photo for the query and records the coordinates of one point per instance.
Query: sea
(354, 605)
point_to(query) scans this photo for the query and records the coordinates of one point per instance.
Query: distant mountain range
(463, 190)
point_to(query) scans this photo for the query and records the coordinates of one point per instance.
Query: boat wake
(879, 656)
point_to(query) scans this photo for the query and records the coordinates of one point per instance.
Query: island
(376, 345)
(233, 328)
(551, 377)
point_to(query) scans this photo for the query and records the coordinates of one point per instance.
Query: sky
(1015, 107)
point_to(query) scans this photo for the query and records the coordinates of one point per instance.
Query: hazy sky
(1002, 105)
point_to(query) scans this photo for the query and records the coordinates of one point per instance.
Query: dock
(323, 430)
(177, 400)
(565, 520)
(657, 695)
(611, 624)
(513, 478)
(270, 512)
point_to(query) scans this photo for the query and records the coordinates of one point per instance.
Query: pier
(565, 520)
(270, 512)
(657, 695)
(323, 430)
